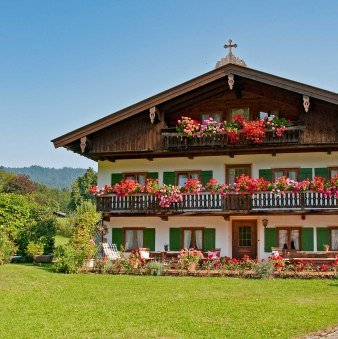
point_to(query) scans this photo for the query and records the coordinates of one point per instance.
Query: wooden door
(244, 238)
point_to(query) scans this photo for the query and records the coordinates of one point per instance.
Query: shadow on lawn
(45, 267)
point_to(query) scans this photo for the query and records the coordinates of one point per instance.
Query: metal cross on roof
(230, 46)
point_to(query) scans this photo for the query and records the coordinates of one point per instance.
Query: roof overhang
(191, 85)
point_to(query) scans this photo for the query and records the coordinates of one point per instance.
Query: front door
(244, 238)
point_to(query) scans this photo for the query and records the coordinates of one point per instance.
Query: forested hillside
(52, 177)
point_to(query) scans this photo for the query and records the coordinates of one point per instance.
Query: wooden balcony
(207, 202)
(178, 141)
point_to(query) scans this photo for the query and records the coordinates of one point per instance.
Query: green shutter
(307, 239)
(169, 178)
(270, 238)
(322, 172)
(266, 174)
(117, 237)
(175, 239)
(116, 178)
(149, 238)
(305, 173)
(205, 176)
(209, 238)
(323, 238)
(152, 175)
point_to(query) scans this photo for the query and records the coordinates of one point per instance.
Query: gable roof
(218, 73)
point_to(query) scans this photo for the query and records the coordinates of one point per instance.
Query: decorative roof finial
(230, 46)
(230, 58)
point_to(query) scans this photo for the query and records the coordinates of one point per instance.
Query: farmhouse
(207, 130)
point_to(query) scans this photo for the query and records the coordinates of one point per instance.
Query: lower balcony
(208, 202)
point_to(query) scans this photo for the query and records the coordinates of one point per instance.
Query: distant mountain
(52, 177)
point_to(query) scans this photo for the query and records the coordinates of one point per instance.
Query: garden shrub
(82, 239)
(71, 257)
(34, 248)
(66, 226)
(7, 249)
(67, 259)
(155, 268)
(264, 269)
(41, 229)
(22, 221)
(14, 214)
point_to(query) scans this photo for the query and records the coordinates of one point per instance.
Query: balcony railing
(173, 140)
(207, 202)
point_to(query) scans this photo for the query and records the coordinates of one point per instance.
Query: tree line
(52, 177)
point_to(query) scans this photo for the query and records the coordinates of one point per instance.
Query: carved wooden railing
(207, 202)
(173, 140)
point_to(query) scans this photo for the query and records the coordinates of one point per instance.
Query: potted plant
(189, 258)
(326, 247)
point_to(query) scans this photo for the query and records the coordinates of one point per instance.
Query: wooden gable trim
(190, 85)
(139, 107)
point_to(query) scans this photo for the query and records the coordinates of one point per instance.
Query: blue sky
(66, 63)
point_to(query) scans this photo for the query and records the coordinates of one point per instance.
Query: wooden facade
(131, 134)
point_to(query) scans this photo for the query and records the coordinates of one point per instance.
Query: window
(266, 114)
(244, 236)
(334, 239)
(182, 177)
(217, 116)
(289, 238)
(192, 238)
(333, 171)
(139, 177)
(133, 238)
(292, 173)
(233, 171)
(244, 112)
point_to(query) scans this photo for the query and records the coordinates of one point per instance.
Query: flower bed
(236, 130)
(274, 267)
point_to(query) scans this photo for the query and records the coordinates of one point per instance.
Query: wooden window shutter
(149, 238)
(307, 239)
(270, 239)
(116, 178)
(305, 173)
(209, 238)
(205, 176)
(175, 239)
(322, 172)
(266, 174)
(169, 178)
(323, 238)
(152, 175)
(117, 237)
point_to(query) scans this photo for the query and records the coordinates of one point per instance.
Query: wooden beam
(189, 97)
(196, 100)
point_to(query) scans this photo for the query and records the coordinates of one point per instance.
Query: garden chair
(145, 254)
(110, 251)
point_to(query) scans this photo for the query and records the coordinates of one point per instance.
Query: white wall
(216, 164)
(223, 227)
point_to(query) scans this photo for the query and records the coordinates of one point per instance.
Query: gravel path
(331, 333)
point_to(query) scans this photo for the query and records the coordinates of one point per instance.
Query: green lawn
(60, 239)
(38, 303)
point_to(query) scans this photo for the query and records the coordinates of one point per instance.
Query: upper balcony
(207, 202)
(178, 141)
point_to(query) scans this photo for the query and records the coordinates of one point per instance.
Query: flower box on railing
(175, 140)
(205, 201)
